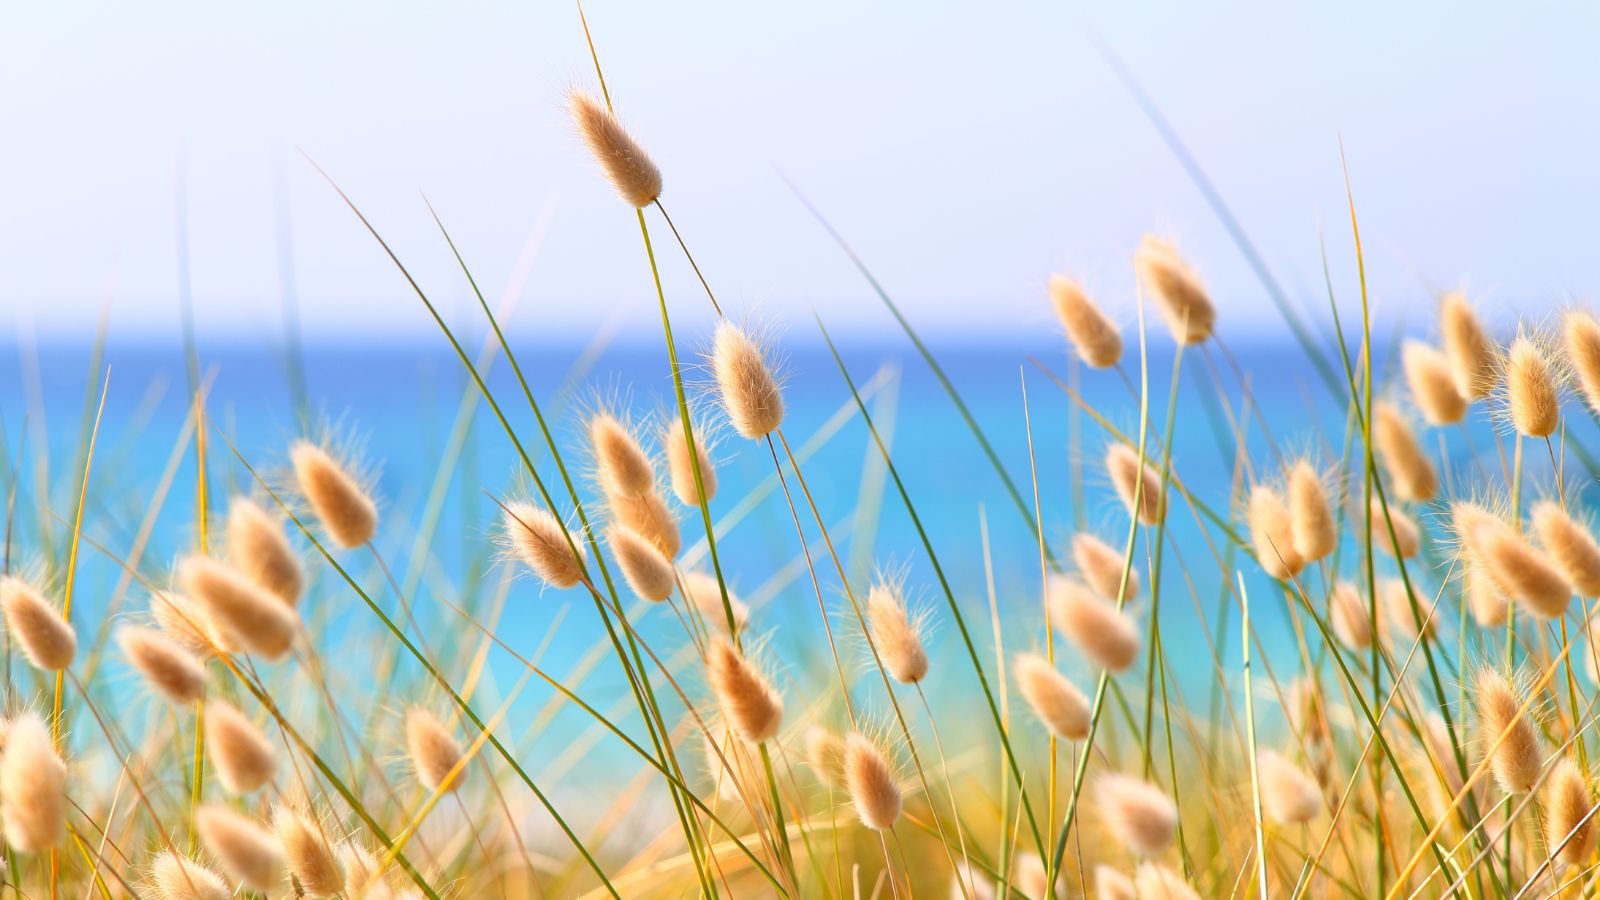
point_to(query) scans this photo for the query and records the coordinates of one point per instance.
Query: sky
(966, 150)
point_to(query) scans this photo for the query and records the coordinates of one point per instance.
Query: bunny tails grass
(894, 633)
(621, 465)
(1570, 546)
(33, 785)
(1409, 470)
(46, 639)
(1506, 732)
(435, 755)
(242, 845)
(1310, 516)
(1518, 568)
(308, 853)
(1141, 816)
(1288, 794)
(238, 751)
(1532, 393)
(1570, 830)
(171, 670)
(1272, 534)
(1580, 339)
(540, 542)
(1154, 881)
(746, 384)
(177, 878)
(1468, 347)
(1181, 298)
(1056, 702)
(253, 617)
(647, 570)
(343, 506)
(1103, 634)
(1102, 567)
(625, 163)
(869, 776)
(1096, 339)
(260, 550)
(1433, 384)
(681, 464)
(1138, 485)
(749, 703)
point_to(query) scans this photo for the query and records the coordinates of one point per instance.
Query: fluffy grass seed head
(1398, 614)
(1179, 294)
(239, 753)
(1101, 566)
(186, 622)
(647, 571)
(46, 639)
(1271, 534)
(620, 463)
(649, 516)
(543, 544)
(177, 878)
(251, 616)
(246, 850)
(1131, 478)
(1514, 760)
(1433, 385)
(1407, 535)
(825, 753)
(1106, 636)
(1029, 878)
(1288, 794)
(1591, 649)
(1157, 882)
(258, 547)
(1349, 615)
(308, 853)
(1140, 814)
(895, 632)
(1094, 336)
(623, 159)
(1533, 396)
(165, 664)
(434, 752)
(1310, 515)
(870, 778)
(1111, 884)
(33, 785)
(1488, 604)
(753, 709)
(745, 382)
(1468, 347)
(344, 507)
(1518, 568)
(1569, 545)
(1580, 338)
(1056, 701)
(680, 465)
(1568, 802)
(706, 595)
(1410, 473)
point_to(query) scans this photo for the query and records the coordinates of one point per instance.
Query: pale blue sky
(968, 150)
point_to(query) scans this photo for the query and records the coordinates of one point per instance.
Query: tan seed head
(620, 463)
(1410, 472)
(1110, 884)
(1137, 812)
(754, 710)
(1028, 878)
(870, 778)
(1179, 295)
(1518, 568)
(543, 544)
(680, 464)
(1350, 617)
(1310, 516)
(1271, 534)
(625, 163)
(1407, 536)
(251, 616)
(186, 622)
(239, 753)
(1506, 732)
(1571, 832)
(745, 382)
(435, 755)
(345, 509)
(1288, 794)
(1488, 604)
(1468, 347)
(243, 846)
(260, 550)
(46, 639)
(1570, 546)
(1106, 636)
(1580, 336)
(166, 665)
(1398, 611)
(177, 878)
(1096, 339)
(825, 753)
(1157, 882)
(1056, 701)
(1433, 386)
(1101, 566)
(308, 853)
(1531, 390)
(706, 595)
(33, 784)
(894, 634)
(646, 570)
(1138, 485)
(647, 514)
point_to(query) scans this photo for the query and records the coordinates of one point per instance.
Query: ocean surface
(399, 404)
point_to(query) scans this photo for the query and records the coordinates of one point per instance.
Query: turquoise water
(399, 402)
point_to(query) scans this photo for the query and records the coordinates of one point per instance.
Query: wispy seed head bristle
(33, 778)
(1310, 515)
(1056, 701)
(680, 465)
(1570, 546)
(745, 383)
(1468, 347)
(177, 878)
(625, 163)
(345, 509)
(46, 639)
(239, 753)
(648, 515)
(1518, 568)
(647, 571)
(1488, 604)
(1101, 566)
(1272, 534)
(1515, 757)
(1288, 794)
(242, 845)
(1140, 814)
(1569, 802)
(435, 755)
(166, 665)
(749, 703)
(621, 464)
(1350, 616)
(1130, 479)
(1409, 470)
(1179, 295)
(1433, 386)
(308, 853)
(1106, 636)
(894, 633)
(252, 617)
(1580, 337)
(259, 549)
(870, 778)
(1157, 882)
(706, 595)
(1532, 389)
(1096, 339)
(186, 622)
(543, 544)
